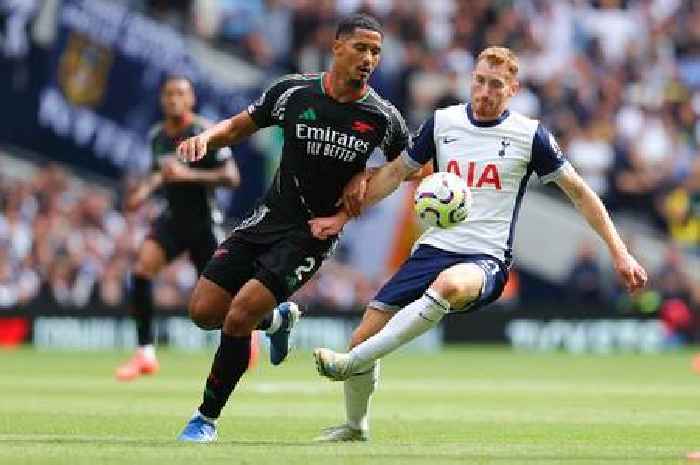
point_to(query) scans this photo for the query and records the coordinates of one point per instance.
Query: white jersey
(496, 159)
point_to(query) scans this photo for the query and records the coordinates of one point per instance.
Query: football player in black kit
(332, 122)
(189, 221)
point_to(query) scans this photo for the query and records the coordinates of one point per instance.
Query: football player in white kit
(465, 267)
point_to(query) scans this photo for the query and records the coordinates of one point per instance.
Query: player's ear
(514, 87)
(338, 44)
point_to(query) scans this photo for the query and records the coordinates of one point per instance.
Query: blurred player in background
(189, 222)
(332, 122)
(463, 268)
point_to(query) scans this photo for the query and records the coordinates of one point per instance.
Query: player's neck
(338, 88)
(176, 124)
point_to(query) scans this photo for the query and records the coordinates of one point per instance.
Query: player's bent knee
(459, 286)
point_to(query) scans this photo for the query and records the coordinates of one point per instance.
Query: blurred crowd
(66, 242)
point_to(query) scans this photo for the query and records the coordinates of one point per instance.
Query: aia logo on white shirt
(477, 175)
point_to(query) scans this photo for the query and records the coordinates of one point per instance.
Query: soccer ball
(442, 200)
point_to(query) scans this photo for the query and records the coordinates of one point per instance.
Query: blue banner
(99, 91)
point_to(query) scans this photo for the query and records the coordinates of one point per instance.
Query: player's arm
(393, 147)
(226, 175)
(258, 115)
(142, 191)
(225, 133)
(356, 189)
(591, 207)
(382, 183)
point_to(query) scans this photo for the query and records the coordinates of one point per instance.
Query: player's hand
(193, 148)
(354, 193)
(173, 170)
(633, 275)
(323, 228)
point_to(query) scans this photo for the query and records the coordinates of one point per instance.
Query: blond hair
(496, 56)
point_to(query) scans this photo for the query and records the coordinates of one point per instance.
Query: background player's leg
(454, 288)
(151, 259)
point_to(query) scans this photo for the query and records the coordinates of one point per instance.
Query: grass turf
(472, 405)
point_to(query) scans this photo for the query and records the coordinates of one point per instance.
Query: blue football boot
(198, 429)
(289, 314)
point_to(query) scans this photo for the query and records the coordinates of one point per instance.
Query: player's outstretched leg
(408, 323)
(285, 316)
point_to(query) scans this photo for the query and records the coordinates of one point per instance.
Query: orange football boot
(136, 366)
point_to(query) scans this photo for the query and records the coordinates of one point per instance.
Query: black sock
(230, 362)
(142, 309)
(266, 322)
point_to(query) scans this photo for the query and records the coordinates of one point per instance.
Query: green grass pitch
(471, 405)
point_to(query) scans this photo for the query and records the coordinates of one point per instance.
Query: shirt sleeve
(422, 150)
(268, 109)
(399, 138)
(547, 158)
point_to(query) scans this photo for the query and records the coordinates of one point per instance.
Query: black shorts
(198, 238)
(281, 256)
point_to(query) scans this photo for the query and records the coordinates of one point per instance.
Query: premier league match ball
(442, 200)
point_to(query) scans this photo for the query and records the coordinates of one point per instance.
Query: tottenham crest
(83, 70)
(505, 143)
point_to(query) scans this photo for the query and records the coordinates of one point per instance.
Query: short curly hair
(348, 25)
(498, 56)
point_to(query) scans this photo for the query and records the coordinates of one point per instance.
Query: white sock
(408, 323)
(276, 322)
(358, 393)
(148, 351)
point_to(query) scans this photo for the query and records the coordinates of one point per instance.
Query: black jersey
(187, 201)
(325, 142)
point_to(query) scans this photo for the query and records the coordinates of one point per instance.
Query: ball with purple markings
(442, 200)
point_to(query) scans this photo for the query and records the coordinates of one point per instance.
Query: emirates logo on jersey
(362, 126)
